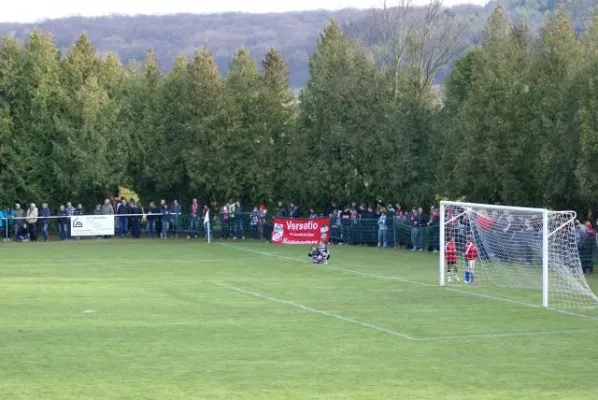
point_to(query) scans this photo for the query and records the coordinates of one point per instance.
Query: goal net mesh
(509, 244)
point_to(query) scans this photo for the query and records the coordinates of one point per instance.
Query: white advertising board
(92, 225)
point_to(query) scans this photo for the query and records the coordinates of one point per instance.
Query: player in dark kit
(320, 254)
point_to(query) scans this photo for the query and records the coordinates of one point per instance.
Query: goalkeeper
(471, 254)
(450, 252)
(320, 254)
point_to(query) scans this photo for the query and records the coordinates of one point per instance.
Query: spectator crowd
(504, 236)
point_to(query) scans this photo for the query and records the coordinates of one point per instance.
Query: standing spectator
(353, 237)
(312, 214)
(19, 216)
(98, 211)
(262, 220)
(382, 228)
(402, 229)
(137, 212)
(390, 211)
(434, 229)
(78, 211)
(107, 209)
(399, 208)
(4, 225)
(45, 217)
(254, 219)
(421, 227)
(232, 214)
(175, 217)
(280, 211)
(330, 209)
(528, 240)
(293, 210)
(225, 220)
(159, 219)
(70, 210)
(123, 218)
(205, 213)
(150, 220)
(580, 231)
(336, 227)
(63, 221)
(368, 229)
(165, 220)
(587, 247)
(9, 215)
(346, 225)
(32, 215)
(238, 215)
(116, 202)
(193, 218)
(414, 230)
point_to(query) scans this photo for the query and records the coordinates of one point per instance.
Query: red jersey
(471, 251)
(450, 252)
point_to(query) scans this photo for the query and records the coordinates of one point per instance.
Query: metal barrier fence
(397, 232)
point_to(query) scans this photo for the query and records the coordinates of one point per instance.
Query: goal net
(520, 248)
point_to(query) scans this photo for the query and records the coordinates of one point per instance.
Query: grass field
(180, 320)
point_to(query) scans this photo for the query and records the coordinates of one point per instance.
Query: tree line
(515, 123)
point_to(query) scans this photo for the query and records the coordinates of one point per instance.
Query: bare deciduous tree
(418, 39)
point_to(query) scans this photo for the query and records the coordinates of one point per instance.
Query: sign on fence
(300, 231)
(92, 225)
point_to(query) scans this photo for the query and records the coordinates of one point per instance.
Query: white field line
(396, 333)
(573, 314)
(507, 335)
(118, 262)
(315, 311)
(395, 278)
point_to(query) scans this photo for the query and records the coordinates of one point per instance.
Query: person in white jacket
(31, 219)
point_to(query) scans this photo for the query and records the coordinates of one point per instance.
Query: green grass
(163, 326)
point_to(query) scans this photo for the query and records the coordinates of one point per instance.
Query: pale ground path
(396, 333)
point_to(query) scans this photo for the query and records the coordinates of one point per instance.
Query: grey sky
(33, 10)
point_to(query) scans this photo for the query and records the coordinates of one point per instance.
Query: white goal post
(518, 248)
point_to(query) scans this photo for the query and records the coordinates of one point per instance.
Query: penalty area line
(316, 311)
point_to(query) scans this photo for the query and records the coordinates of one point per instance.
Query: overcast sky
(34, 10)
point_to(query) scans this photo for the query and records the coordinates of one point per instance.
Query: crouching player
(471, 255)
(320, 254)
(450, 252)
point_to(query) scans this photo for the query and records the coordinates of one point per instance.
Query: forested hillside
(293, 34)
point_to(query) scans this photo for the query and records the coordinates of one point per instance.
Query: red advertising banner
(300, 231)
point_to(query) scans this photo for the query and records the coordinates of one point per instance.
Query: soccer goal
(517, 247)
